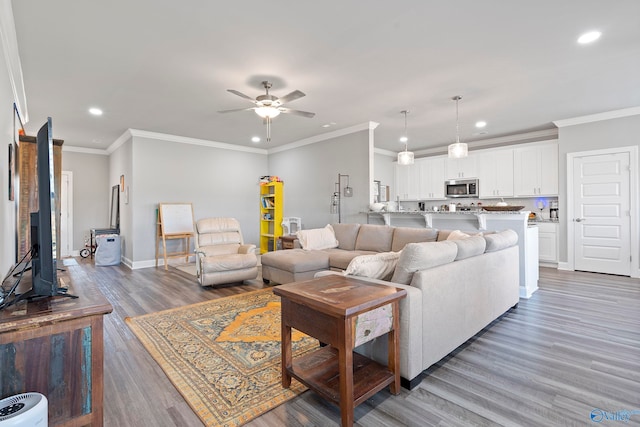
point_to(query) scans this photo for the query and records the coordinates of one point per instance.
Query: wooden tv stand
(54, 346)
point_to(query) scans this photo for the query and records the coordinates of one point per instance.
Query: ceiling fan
(269, 106)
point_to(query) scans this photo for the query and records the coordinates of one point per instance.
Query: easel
(175, 221)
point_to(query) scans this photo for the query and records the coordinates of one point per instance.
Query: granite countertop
(474, 212)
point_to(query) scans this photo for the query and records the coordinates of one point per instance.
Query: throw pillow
(421, 256)
(317, 238)
(501, 240)
(459, 235)
(377, 266)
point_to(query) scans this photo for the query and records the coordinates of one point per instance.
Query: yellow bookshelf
(271, 208)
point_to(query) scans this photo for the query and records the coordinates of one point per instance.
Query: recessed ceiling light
(255, 139)
(403, 139)
(589, 37)
(95, 111)
(481, 124)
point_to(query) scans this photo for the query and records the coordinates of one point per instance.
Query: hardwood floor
(571, 349)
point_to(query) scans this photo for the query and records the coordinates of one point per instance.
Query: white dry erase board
(176, 218)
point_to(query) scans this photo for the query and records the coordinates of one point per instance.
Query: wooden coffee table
(343, 313)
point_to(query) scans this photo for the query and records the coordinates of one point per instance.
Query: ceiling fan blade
(236, 109)
(296, 112)
(290, 97)
(241, 95)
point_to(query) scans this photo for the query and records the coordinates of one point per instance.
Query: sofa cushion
(421, 256)
(404, 235)
(296, 260)
(339, 258)
(471, 246)
(375, 238)
(443, 235)
(378, 266)
(501, 240)
(317, 238)
(346, 235)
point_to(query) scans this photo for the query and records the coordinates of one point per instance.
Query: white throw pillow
(317, 238)
(459, 235)
(377, 266)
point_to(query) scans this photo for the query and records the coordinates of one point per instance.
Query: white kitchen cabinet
(495, 173)
(407, 181)
(548, 242)
(431, 178)
(465, 167)
(536, 170)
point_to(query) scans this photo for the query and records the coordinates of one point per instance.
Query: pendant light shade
(405, 157)
(458, 149)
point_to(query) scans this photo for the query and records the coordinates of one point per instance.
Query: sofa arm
(247, 249)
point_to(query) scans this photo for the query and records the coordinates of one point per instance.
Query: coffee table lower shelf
(319, 370)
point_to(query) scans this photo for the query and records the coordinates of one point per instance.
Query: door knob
(579, 219)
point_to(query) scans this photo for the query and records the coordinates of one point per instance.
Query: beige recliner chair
(221, 255)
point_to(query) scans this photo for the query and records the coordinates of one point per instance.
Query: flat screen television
(43, 223)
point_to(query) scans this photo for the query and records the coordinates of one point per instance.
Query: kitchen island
(476, 222)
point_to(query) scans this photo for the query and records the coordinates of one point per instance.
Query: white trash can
(108, 250)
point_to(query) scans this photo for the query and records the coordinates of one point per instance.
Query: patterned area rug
(223, 355)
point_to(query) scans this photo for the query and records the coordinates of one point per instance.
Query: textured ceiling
(164, 66)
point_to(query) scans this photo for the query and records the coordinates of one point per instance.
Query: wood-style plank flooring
(569, 351)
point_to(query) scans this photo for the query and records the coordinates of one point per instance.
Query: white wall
(7, 208)
(619, 132)
(310, 172)
(218, 181)
(121, 164)
(91, 202)
(384, 171)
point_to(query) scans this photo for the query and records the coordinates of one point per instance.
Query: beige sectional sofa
(455, 288)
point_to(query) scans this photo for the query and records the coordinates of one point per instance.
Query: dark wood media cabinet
(54, 346)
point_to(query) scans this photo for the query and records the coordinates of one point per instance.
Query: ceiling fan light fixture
(405, 157)
(267, 112)
(458, 149)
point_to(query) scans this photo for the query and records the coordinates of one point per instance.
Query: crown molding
(384, 152)
(324, 137)
(130, 133)
(607, 115)
(72, 149)
(12, 58)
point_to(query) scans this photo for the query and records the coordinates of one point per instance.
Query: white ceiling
(165, 65)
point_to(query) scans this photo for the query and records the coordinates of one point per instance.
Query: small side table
(342, 312)
(288, 242)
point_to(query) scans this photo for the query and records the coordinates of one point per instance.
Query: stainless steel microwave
(461, 188)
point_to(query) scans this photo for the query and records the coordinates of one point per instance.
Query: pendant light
(458, 149)
(405, 157)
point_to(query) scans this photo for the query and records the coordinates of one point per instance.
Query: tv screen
(43, 224)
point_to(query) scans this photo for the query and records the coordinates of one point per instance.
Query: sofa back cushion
(421, 256)
(501, 240)
(404, 235)
(376, 238)
(471, 246)
(346, 235)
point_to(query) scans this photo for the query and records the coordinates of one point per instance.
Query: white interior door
(601, 213)
(66, 214)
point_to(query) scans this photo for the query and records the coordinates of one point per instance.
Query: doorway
(600, 226)
(66, 214)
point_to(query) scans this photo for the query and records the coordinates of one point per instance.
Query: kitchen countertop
(475, 212)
